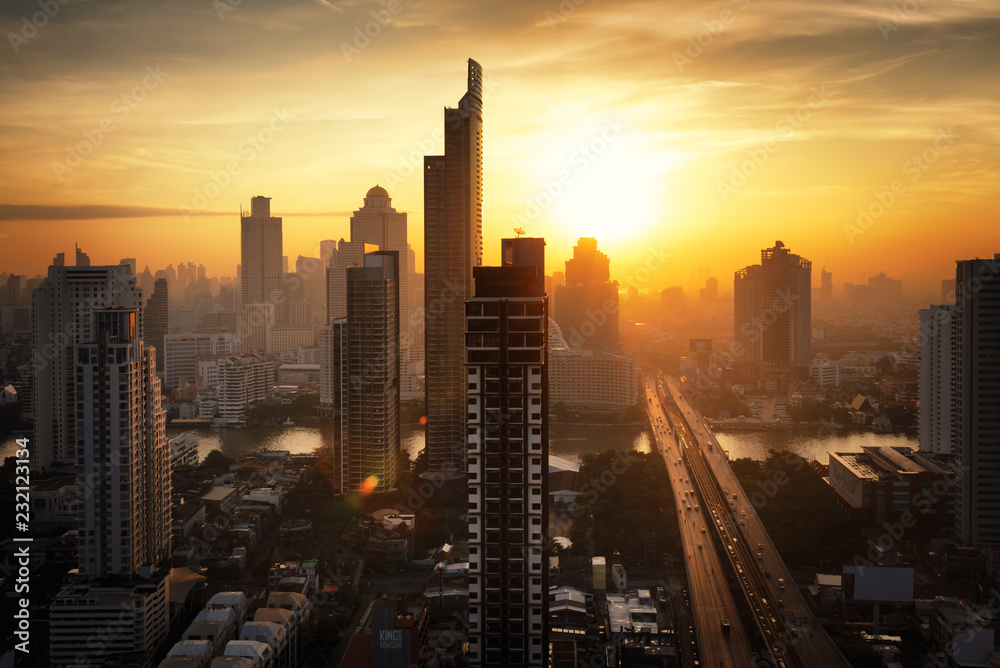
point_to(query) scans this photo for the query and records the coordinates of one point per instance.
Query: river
(565, 440)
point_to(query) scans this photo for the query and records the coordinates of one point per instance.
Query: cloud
(83, 212)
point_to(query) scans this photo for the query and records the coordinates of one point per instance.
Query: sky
(685, 136)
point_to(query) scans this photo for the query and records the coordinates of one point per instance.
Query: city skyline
(677, 135)
(283, 379)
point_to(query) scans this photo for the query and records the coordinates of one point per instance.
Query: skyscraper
(587, 305)
(453, 245)
(156, 326)
(123, 461)
(936, 379)
(378, 223)
(772, 308)
(333, 394)
(975, 388)
(372, 380)
(61, 318)
(117, 607)
(261, 262)
(507, 440)
(826, 285)
(346, 254)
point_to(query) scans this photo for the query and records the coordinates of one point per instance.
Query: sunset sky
(704, 131)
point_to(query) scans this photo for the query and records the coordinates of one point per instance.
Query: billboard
(879, 583)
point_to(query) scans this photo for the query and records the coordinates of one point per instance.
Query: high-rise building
(261, 263)
(256, 327)
(936, 379)
(948, 291)
(826, 285)
(379, 224)
(453, 245)
(93, 624)
(709, 294)
(156, 322)
(975, 388)
(182, 352)
(372, 443)
(61, 318)
(243, 382)
(123, 474)
(587, 305)
(311, 271)
(333, 393)
(123, 461)
(773, 314)
(346, 254)
(507, 440)
(82, 259)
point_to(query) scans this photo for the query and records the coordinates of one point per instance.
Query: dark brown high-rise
(453, 245)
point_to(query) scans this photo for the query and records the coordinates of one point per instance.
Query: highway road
(792, 633)
(711, 601)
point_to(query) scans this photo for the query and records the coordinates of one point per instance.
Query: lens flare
(369, 485)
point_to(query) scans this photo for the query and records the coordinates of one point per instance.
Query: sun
(616, 196)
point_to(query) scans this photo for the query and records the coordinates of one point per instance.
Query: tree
(884, 365)
(216, 461)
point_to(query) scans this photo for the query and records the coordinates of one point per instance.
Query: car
(742, 523)
(781, 583)
(696, 506)
(767, 574)
(760, 555)
(703, 529)
(699, 546)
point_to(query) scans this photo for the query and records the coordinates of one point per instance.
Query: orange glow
(766, 130)
(368, 485)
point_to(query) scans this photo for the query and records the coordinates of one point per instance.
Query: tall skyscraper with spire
(453, 245)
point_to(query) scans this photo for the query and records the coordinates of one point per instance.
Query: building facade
(244, 381)
(182, 352)
(61, 318)
(587, 305)
(772, 308)
(156, 324)
(123, 459)
(372, 446)
(261, 274)
(453, 245)
(975, 388)
(936, 379)
(507, 440)
(588, 380)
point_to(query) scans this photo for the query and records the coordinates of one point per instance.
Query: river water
(567, 441)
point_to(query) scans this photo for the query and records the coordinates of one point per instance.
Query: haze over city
(675, 99)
